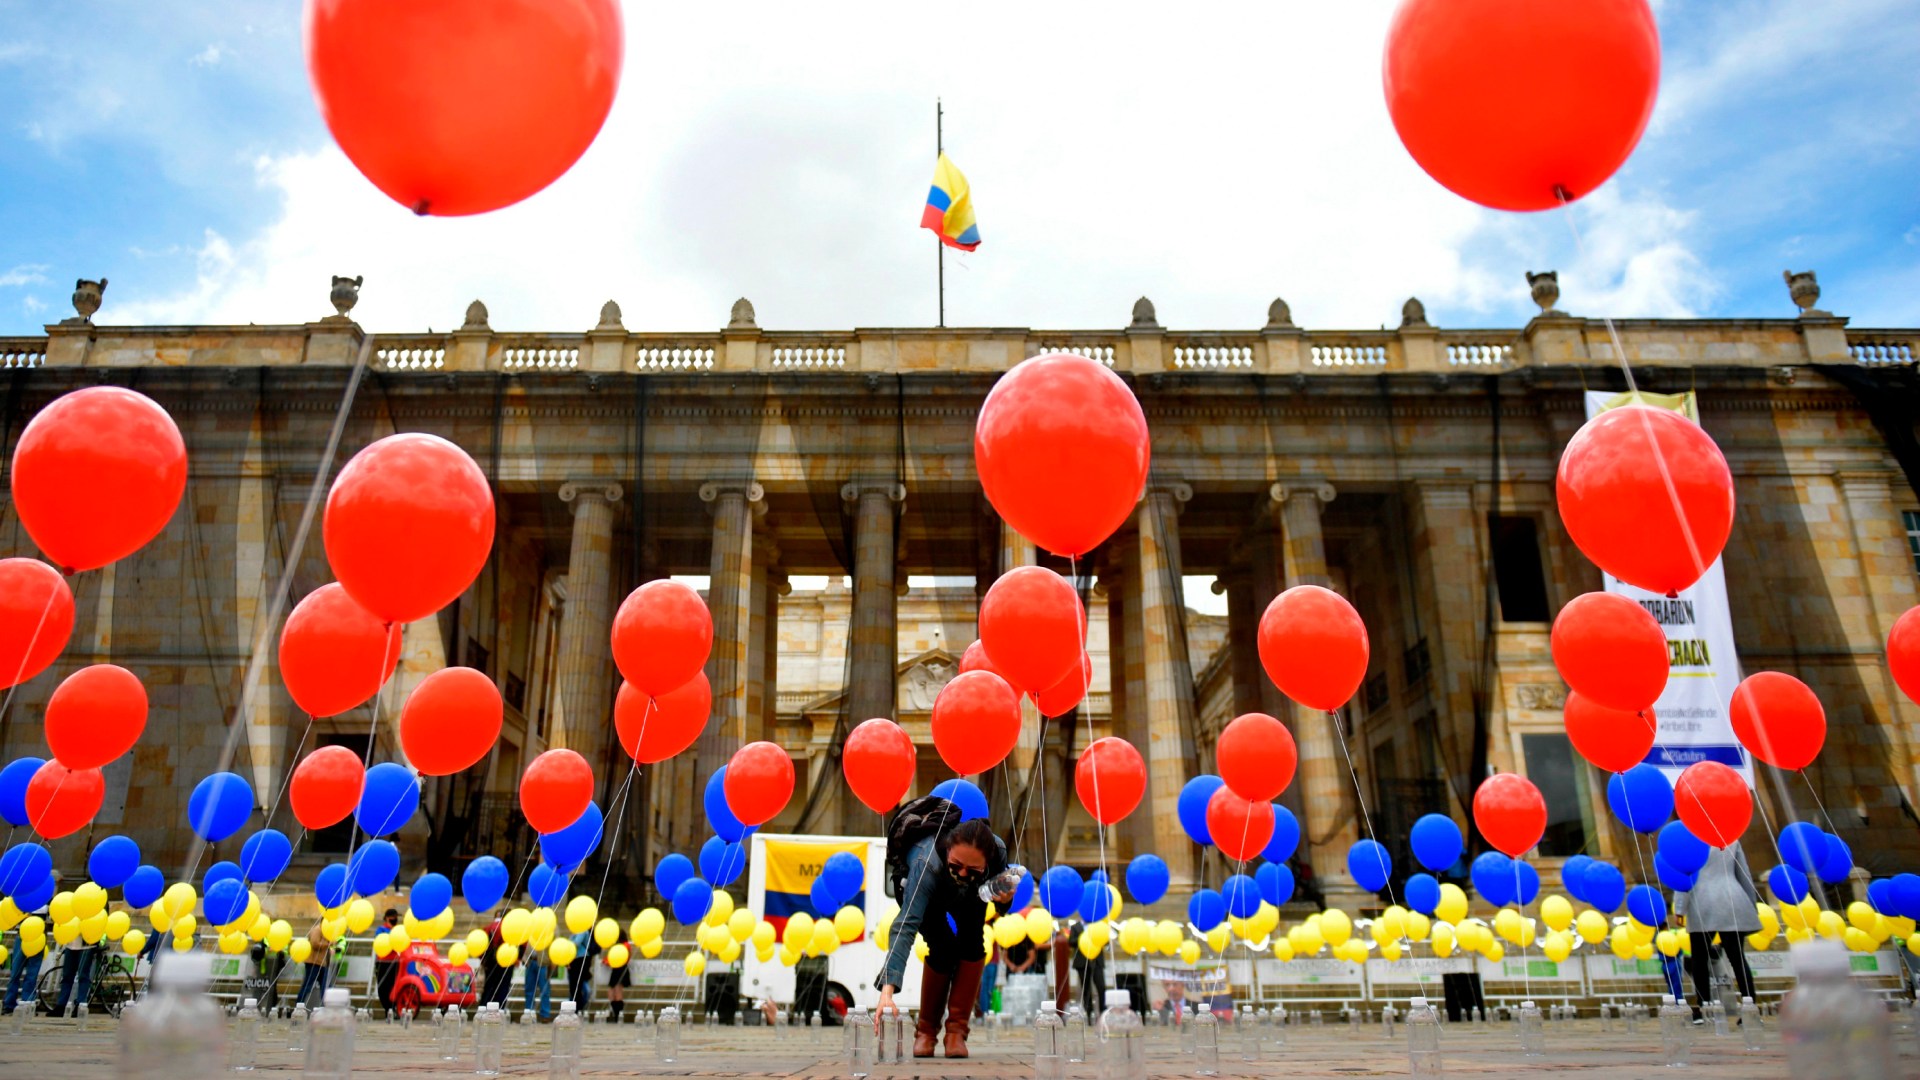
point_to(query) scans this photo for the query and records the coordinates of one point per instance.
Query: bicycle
(109, 991)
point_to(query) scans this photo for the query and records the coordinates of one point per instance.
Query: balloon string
(619, 808)
(286, 782)
(1811, 790)
(27, 655)
(1086, 683)
(1365, 816)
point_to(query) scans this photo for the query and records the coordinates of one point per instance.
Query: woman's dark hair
(977, 834)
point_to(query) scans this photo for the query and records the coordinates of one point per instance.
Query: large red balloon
(1615, 740)
(1611, 651)
(1713, 802)
(1062, 450)
(655, 729)
(36, 618)
(1617, 490)
(878, 761)
(759, 782)
(976, 721)
(95, 715)
(61, 801)
(1062, 697)
(1033, 627)
(1778, 719)
(1903, 653)
(326, 786)
(662, 636)
(1256, 756)
(463, 106)
(97, 474)
(409, 525)
(975, 658)
(1510, 812)
(555, 790)
(1110, 779)
(335, 654)
(1512, 103)
(451, 721)
(1314, 646)
(1240, 827)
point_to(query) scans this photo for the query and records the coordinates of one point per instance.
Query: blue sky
(1211, 162)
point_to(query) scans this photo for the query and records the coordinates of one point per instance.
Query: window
(337, 839)
(1563, 783)
(1516, 569)
(1911, 519)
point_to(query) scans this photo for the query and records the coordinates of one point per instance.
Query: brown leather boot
(961, 997)
(933, 1001)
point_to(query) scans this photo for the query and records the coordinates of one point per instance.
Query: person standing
(76, 966)
(1723, 901)
(536, 978)
(580, 970)
(1093, 976)
(617, 980)
(317, 968)
(23, 975)
(387, 968)
(989, 975)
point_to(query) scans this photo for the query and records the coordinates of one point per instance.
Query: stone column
(1017, 551)
(1885, 592)
(734, 505)
(1168, 674)
(762, 636)
(1448, 559)
(585, 668)
(1127, 671)
(873, 636)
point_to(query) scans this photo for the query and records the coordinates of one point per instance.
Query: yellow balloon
(1282, 950)
(540, 938)
(799, 932)
(920, 949)
(506, 955)
(1390, 950)
(1794, 916)
(1507, 924)
(298, 952)
(617, 956)
(1556, 912)
(824, 939)
(1040, 927)
(1165, 937)
(730, 951)
(1442, 937)
(134, 942)
(711, 938)
(1099, 934)
(721, 911)
(582, 913)
(605, 933)
(233, 942)
(1667, 942)
(1495, 952)
(1859, 913)
(31, 947)
(1903, 927)
(740, 924)
(1831, 925)
(1810, 909)
(1621, 942)
(695, 963)
(765, 955)
(1218, 939)
(1311, 939)
(360, 915)
(1913, 943)
(515, 925)
(848, 924)
(1113, 911)
(1640, 933)
(257, 930)
(252, 913)
(651, 949)
(331, 929)
(118, 923)
(543, 919)
(1418, 926)
(10, 914)
(415, 928)
(88, 900)
(1858, 940)
(1391, 925)
(1453, 904)
(185, 926)
(178, 899)
(476, 942)
(399, 939)
(789, 957)
(60, 908)
(64, 933)
(93, 928)
(182, 944)
(1882, 928)
(1796, 935)
(1266, 920)
(561, 952)
(1335, 926)
(457, 954)
(382, 946)
(1008, 929)
(1190, 951)
(1135, 936)
(1090, 950)
(1759, 940)
(764, 935)
(440, 925)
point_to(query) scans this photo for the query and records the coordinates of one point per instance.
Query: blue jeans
(24, 976)
(75, 962)
(316, 976)
(988, 976)
(538, 975)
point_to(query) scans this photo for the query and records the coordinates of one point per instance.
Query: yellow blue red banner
(793, 866)
(949, 211)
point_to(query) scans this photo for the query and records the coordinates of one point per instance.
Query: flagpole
(940, 245)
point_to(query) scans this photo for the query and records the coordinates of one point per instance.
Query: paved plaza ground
(58, 1050)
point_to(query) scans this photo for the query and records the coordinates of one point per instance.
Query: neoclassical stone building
(819, 486)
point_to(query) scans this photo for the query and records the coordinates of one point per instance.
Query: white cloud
(33, 304)
(208, 56)
(24, 274)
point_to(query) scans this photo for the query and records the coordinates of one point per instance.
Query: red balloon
(879, 762)
(1256, 756)
(1778, 719)
(1611, 650)
(976, 721)
(1903, 653)
(1618, 501)
(97, 474)
(326, 786)
(655, 729)
(1110, 779)
(1062, 450)
(662, 636)
(463, 106)
(555, 790)
(759, 782)
(1240, 827)
(1062, 697)
(1033, 626)
(62, 801)
(1510, 813)
(1590, 70)
(1314, 646)
(95, 715)
(409, 525)
(975, 658)
(36, 618)
(335, 654)
(1713, 802)
(1615, 740)
(451, 721)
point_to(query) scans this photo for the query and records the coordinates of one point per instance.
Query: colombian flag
(792, 866)
(949, 211)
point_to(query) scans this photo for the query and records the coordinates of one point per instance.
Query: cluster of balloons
(1239, 827)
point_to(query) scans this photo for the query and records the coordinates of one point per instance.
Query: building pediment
(917, 682)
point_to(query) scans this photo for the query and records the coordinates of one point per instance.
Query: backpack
(919, 819)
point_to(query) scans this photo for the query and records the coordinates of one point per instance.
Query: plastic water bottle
(330, 1038)
(1049, 1044)
(563, 1062)
(449, 1035)
(1002, 883)
(1277, 1026)
(1123, 1039)
(297, 1022)
(1249, 1031)
(1832, 1030)
(859, 1043)
(1533, 1030)
(1186, 1030)
(1676, 1032)
(526, 1025)
(243, 1041)
(1206, 1042)
(666, 1035)
(489, 1039)
(1353, 1018)
(1423, 1039)
(1074, 1028)
(177, 1032)
(1386, 1019)
(1750, 1024)
(893, 1037)
(22, 1013)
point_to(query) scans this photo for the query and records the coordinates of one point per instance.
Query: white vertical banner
(1694, 725)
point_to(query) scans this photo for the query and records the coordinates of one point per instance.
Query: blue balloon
(1788, 885)
(1205, 909)
(1098, 875)
(1060, 891)
(1685, 852)
(546, 887)
(1276, 883)
(225, 901)
(1193, 807)
(1022, 894)
(1423, 893)
(1803, 846)
(692, 900)
(845, 876)
(1437, 842)
(721, 864)
(1286, 836)
(1147, 878)
(1646, 905)
(484, 882)
(1370, 865)
(330, 885)
(1606, 887)
(964, 794)
(144, 886)
(388, 799)
(1573, 876)
(821, 899)
(1096, 900)
(1838, 865)
(573, 845)
(33, 899)
(431, 895)
(1529, 886)
(1493, 879)
(265, 855)
(669, 872)
(13, 788)
(1880, 896)
(1242, 894)
(24, 867)
(1906, 895)
(719, 815)
(1670, 876)
(373, 867)
(219, 806)
(224, 870)
(112, 861)
(1641, 797)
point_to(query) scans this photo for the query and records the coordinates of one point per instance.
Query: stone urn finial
(1279, 315)
(741, 318)
(476, 317)
(1805, 290)
(86, 298)
(345, 294)
(1143, 316)
(610, 317)
(1546, 290)
(1413, 313)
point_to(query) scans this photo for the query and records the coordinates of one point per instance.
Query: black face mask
(964, 876)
